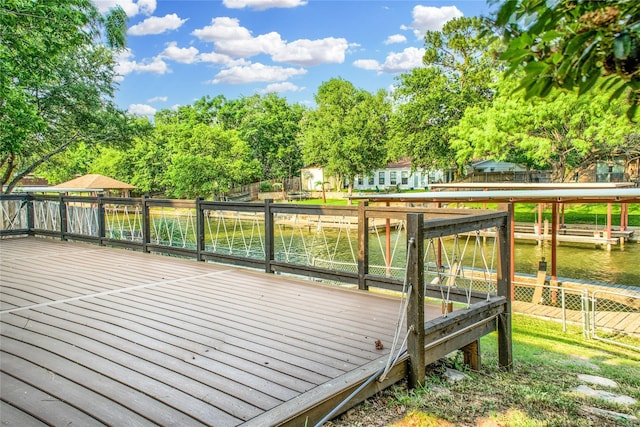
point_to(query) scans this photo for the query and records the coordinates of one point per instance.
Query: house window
(371, 180)
(393, 178)
(380, 178)
(360, 180)
(404, 178)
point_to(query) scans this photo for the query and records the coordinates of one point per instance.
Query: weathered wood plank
(12, 416)
(60, 398)
(162, 403)
(30, 403)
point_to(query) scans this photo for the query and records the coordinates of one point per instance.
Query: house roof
(402, 163)
(95, 181)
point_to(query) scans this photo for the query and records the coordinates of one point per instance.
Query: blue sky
(181, 50)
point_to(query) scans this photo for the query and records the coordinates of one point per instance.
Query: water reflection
(621, 266)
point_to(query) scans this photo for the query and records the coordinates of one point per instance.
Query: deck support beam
(363, 246)
(415, 310)
(269, 244)
(505, 273)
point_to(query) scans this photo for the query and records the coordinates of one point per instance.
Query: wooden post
(540, 239)
(388, 245)
(63, 217)
(30, 214)
(608, 236)
(471, 354)
(363, 246)
(415, 310)
(269, 247)
(146, 225)
(504, 272)
(200, 245)
(101, 221)
(511, 242)
(554, 240)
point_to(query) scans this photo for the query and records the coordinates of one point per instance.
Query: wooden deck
(99, 336)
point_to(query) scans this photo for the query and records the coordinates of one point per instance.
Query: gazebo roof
(96, 181)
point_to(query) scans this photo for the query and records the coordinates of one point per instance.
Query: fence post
(268, 236)
(63, 217)
(30, 214)
(363, 246)
(146, 225)
(415, 310)
(503, 272)
(101, 224)
(199, 229)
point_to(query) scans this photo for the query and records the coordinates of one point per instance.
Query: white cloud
(126, 64)
(282, 87)
(367, 64)
(401, 62)
(231, 39)
(262, 4)
(428, 18)
(157, 99)
(142, 109)
(157, 25)
(131, 7)
(184, 55)
(255, 73)
(155, 66)
(222, 28)
(175, 107)
(396, 38)
(221, 59)
(312, 52)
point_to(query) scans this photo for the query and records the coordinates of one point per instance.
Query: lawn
(538, 392)
(587, 213)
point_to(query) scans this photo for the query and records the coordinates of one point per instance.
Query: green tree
(270, 126)
(347, 132)
(56, 82)
(459, 68)
(205, 159)
(574, 45)
(562, 131)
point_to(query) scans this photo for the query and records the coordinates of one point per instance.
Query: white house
(312, 176)
(398, 175)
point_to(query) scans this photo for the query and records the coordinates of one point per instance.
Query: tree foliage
(347, 132)
(56, 82)
(206, 160)
(270, 126)
(430, 100)
(574, 45)
(562, 131)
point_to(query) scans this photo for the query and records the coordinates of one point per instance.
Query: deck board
(116, 337)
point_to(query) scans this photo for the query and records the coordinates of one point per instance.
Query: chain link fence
(615, 318)
(612, 316)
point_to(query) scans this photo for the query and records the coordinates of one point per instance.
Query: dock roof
(589, 195)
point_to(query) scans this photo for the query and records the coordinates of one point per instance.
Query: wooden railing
(260, 235)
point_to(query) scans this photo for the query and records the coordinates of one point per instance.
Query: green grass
(539, 390)
(588, 213)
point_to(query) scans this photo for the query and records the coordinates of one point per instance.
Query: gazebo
(96, 183)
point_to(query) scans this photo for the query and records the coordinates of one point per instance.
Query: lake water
(619, 266)
(574, 261)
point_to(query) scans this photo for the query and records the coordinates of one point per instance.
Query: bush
(266, 187)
